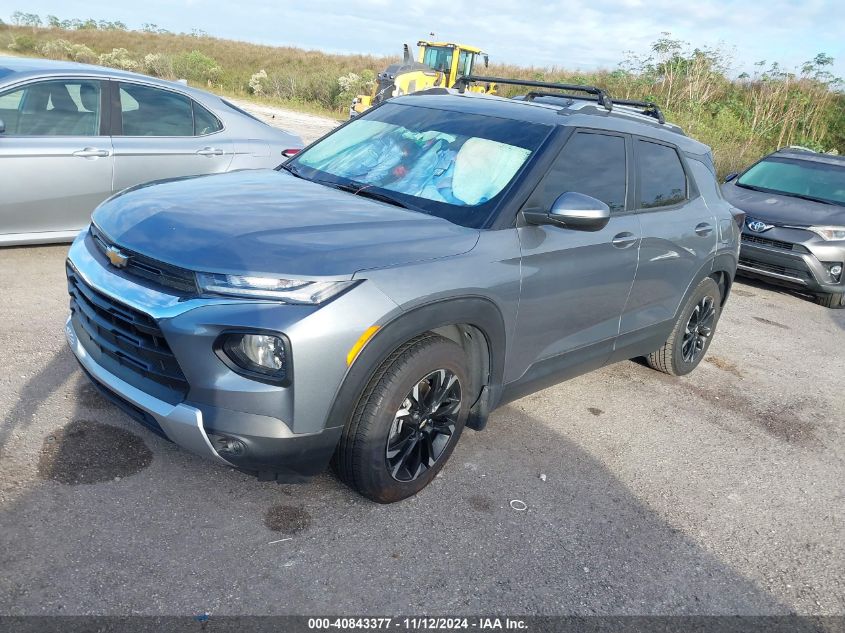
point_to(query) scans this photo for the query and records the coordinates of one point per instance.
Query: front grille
(764, 241)
(125, 335)
(775, 268)
(180, 279)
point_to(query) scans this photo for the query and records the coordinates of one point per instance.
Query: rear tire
(835, 300)
(693, 331)
(407, 421)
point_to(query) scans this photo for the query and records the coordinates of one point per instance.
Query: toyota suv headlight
(285, 290)
(829, 232)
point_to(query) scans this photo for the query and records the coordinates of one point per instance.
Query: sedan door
(56, 158)
(575, 283)
(162, 133)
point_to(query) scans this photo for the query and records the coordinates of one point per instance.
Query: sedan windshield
(800, 178)
(450, 164)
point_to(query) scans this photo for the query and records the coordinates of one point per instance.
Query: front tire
(692, 334)
(407, 421)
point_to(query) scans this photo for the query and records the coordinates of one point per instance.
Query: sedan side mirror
(2, 126)
(573, 210)
(731, 176)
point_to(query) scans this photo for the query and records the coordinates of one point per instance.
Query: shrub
(195, 66)
(118, 58)
(352, 84)
(56, 49)
(258, 82)
(22, 43)
(82, 54)
(159, 65)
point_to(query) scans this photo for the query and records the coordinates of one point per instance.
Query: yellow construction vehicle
(438, 65)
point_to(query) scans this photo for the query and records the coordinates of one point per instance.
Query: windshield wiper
(785, 193)
(362, 190)
(753, 188)
(803, 197)
(288, 167)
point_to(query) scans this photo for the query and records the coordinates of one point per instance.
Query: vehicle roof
(471, 49)
(803, 153)
(25, 67)
(572, 112)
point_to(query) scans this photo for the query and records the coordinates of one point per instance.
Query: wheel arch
(721, 269)
(475, 323)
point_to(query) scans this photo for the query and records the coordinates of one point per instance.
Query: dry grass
(740, 119)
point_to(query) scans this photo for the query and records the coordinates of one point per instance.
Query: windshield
(450, 164)
(803, 178)
(438, 58)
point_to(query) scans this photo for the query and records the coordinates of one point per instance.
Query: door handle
(624, 240)
(91, 152)
(703, 229)
(210, 151)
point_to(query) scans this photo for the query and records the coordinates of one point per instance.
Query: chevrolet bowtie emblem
(117, 258)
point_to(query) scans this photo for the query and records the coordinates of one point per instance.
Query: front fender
(476, 311)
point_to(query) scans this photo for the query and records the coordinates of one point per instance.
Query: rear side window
(663, 181)
(204, 121)
(149, 111)
(592, 164)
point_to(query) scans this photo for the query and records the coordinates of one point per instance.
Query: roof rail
(598, 95)
(601, 96)
(646, 107)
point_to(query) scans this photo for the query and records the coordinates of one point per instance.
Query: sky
(571, 34)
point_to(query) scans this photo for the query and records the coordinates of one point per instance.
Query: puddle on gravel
(86, 452)
(781, 420)
(287, 519)
(724, 365)
(481, 503)
(742, 293)
(88, 397)
(774, 323)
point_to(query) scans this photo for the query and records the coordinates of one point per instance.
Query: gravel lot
(718, 493)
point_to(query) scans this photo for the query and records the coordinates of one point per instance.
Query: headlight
(256, 354)
(285, 290)
(829, 232)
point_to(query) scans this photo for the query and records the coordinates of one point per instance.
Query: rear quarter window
(662, 179)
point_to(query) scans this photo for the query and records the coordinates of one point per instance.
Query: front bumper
(180, 423)
(790, 258)
(280, 431)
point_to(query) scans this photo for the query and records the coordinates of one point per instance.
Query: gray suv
(399, 279)
(794, 233)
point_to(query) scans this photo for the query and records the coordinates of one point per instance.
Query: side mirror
(731, 176)
(2, 126)
(486, 61)
(573, 210)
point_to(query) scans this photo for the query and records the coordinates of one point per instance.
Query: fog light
(227, 445)
(834, 270)
(261, 355)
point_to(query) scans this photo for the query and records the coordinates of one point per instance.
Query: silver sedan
(71, 135)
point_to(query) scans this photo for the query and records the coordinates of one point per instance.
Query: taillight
(287, 153)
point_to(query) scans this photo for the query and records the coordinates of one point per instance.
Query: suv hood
(272, 223)
(780, 209)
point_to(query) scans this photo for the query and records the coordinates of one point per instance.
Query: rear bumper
(802, 267)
